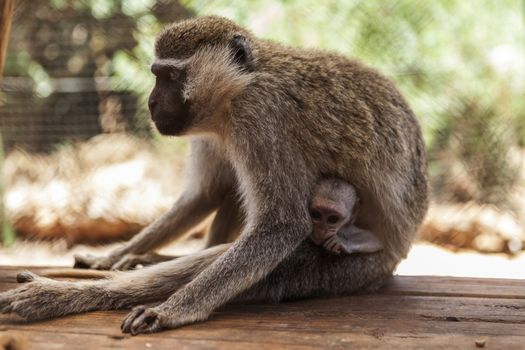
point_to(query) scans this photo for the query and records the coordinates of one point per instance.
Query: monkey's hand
(333, 244)
(97, 263)
(167, 315)
(131, 261)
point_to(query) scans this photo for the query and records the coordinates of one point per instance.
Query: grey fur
(334, 209)
(267, 134)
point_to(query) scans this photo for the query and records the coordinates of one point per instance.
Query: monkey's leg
(309, 271)
(42, 297)
(227, 224)
(312, 271)
(244, 264)
(225, 228)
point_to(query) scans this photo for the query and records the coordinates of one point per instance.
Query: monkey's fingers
(133, 314)
(26, 276)
(127, 262)
(332, 245)
(83, 262)
(141, 320)
(93, 262)
(132, 261)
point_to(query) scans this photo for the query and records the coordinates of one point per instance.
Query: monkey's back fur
(336, 116)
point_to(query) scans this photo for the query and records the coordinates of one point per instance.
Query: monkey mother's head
(200, 65)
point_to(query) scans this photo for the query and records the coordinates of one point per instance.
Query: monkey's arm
(251, 258)
(353, 239)
(210, 179)
(275, 228)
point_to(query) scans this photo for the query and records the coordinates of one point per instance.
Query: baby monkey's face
(331, 208)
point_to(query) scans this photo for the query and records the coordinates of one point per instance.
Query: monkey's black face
(169, 111)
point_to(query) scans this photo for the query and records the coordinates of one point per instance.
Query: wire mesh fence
(59, 81)
(79, 68)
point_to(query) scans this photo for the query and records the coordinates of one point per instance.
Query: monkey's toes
(134, 313)
(84, 261)
(26, 276)
(141, 320)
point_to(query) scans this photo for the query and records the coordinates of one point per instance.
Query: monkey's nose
(152, 103)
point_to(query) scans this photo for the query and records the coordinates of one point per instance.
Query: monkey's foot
(131, 261)
(142, 320)
(93, 262)
(167, 315)
(42, 298)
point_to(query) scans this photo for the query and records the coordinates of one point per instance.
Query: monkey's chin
(170, 128)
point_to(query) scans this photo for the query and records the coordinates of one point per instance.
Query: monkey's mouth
(322, 240)
(167, 125)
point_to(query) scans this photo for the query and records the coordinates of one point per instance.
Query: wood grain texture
(410, 313)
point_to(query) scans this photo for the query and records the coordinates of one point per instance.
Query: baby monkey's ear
(242, 52)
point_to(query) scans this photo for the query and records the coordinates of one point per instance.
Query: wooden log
(6, 14)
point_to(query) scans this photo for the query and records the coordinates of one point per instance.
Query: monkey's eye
(174, 75)
(332, 219)
(315, 215)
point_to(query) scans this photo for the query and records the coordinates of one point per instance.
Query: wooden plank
(456, 286)
(6, 14)
(436, 315)
(408, 314)
(46, 340)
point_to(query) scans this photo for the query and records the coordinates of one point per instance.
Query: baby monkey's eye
(333, 219)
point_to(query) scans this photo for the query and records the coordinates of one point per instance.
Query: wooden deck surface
(410, 313)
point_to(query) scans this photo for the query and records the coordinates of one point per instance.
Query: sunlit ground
(424, 259)
(428, 259)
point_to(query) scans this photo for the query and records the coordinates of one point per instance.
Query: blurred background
(82, 167)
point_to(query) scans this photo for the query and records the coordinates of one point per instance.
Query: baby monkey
(333, 209)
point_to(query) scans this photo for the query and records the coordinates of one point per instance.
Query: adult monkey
(267, 122)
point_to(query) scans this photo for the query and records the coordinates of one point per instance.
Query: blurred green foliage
(7, 234)
(439, 52)
(461, 64)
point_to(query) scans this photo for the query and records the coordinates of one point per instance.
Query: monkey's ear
(242, 52)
